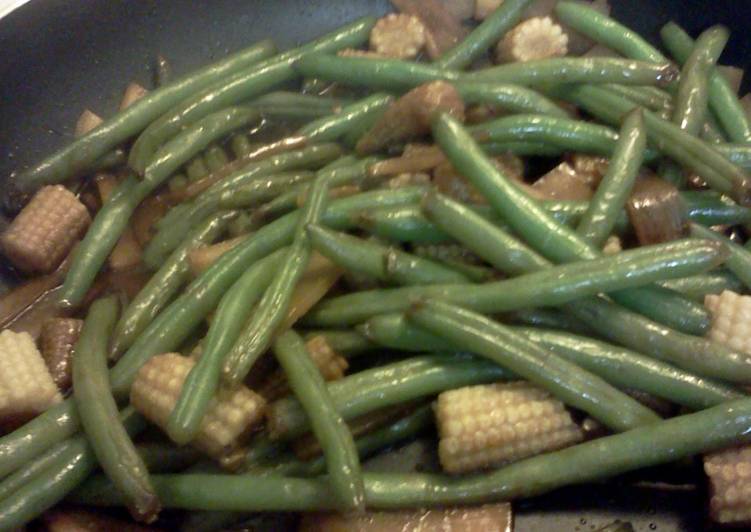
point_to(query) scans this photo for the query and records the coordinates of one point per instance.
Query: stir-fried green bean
(615, 187)
(349, 118)
(739, 261)
(512, 98)
(336, 441)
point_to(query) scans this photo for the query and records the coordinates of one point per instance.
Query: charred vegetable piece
(489, 425)
(59, 335)
(232, 412)
(45, 230)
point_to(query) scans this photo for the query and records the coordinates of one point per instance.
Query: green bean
(606, 31)
(739, 261)
(262, 190)
(548, 319)
(709, 208)
(166, 458)
(698, 286)
(241, 145)
(692, 97)
(400, 224)
(163, 285)
(197, 168)
(722, 99)
(655, 444)
(99, 416)
(615, 187)
(490, 31)
(507, 254)
(75, 158)
(242, 86)
(694, 354)
(169, 236)
(392, 384)
(530, 149)
(177, 320)
(216, 157)
(110, 160)
(548, 287)
(711, 131)
(100, 239)
(350, 117)
(347, 343)
(173, 154)
(308, 386)
(571, 384)
(579, 70)
(202, 381)
(737, 153)
(75, 461)
(690, 151)
(272, 308)
(294, 105)
(628, 369)
(556, 241)
(654, 101)
(388, 264)
(512, 98)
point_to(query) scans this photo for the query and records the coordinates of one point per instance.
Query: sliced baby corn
(398, 36)
(489, 425)
(233, 412)
(535, 38)
(731, 319)
(45, 230)
(58, 337)
(729, 473)
(26, 386)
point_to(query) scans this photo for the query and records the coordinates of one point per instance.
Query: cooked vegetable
(442, 30)
(133, 92)
(230, 415)
(728, 484)
(86, 122)
(59, 335)
(490, 425)
(44, 232)
(535, 38)
(398, 36)
(27, 386)
(657, 211)
(729, 317)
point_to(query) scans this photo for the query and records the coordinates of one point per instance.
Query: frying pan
(58, 57)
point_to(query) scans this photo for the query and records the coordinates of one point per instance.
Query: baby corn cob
(26, 387)
(331, 365)
(46, 229)
(731, 317)
(398, 36)
(729, 473)
(535, 38)
(232, 412)
(489, 425)
(58, 337)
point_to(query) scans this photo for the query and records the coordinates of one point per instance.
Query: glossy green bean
(692, 97)
(262, 190)
(524, 149)
(710, 164)
(697, 355)
(257, 335)
(99, 416)
(351, 117)
(606, 31)
(163, 285)
(614, 189)
(388, 264)
(506, 254)
(242, 86)
(739, 261)
(739, 154)
(294, 105)
(175, 323)
(579, 70)
(75, 461)
(512, 98)
(170, 235)
(548, 287)
(308, 386)
(100, 239)
(723, 101)
(556, 241)
(698, 286)
(599, 459)
(656, 100)
(232, 313)
(400, 224)
(78, 156)
(627, 369)
(388, 385)
(709, 208)
(197, 168)
(199, 135)
(347, 343)
(490, 31)
(240, 144)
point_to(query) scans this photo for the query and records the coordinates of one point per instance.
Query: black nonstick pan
(58, 57)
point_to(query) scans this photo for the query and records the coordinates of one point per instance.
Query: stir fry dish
(511, 231)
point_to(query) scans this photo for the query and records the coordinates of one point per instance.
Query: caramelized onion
(148, 213)
(488, 518)
(422, 159)
(444, 30)
(563, 183)
(21, 298)
(657, 211)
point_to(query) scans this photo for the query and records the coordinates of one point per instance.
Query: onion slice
(563, 183)
(657, 211)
